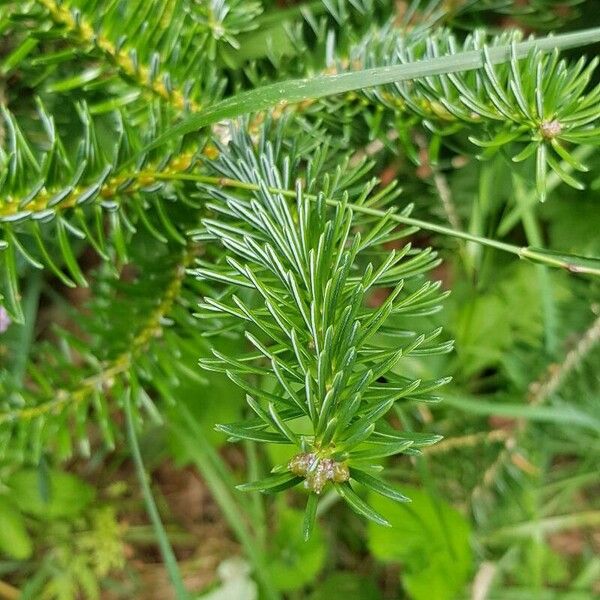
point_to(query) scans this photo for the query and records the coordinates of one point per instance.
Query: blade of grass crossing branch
(298, 90)
(219, 481)
(165, 547)
(559, 413)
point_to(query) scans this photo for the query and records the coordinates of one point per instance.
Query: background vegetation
(237, 182)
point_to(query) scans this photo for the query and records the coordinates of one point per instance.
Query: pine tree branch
(127, 183)
(82, 33)
(105, 380)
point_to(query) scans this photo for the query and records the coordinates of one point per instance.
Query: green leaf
(295, 562)
(256, 435)
(310, 515)
(380, 450)
(68, 255)
(15, 542)
(11, 284)
(66, 496)
(18, 55)
(76, 81)
(431, 540)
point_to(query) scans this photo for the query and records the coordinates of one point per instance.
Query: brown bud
(550, 129)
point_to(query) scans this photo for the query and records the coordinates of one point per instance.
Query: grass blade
(298, 90)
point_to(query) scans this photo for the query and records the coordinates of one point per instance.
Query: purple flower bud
(4, 320)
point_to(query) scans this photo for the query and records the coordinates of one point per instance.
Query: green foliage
(435, 550)
(53, 515)
(123, 320)
(79, 555)
(348, 585)
(487, 325)
(49, 495)
(294, 561)
(538, 105)
(15, 541)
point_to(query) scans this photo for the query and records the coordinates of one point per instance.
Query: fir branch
(37, 407)
(71, 191)
(116, 187)
(536, 103)
(430, 62)
(312, 333)
(81, 31)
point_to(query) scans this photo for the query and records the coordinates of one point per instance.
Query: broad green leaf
(430, 539)
(15, 542)
(293, 562)
(66, 495)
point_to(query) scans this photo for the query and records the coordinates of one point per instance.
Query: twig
(541, 390)
(483, 581)
(8, 592)
(85, 35)
(372, 148)
(441, 184)
(467, 441)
